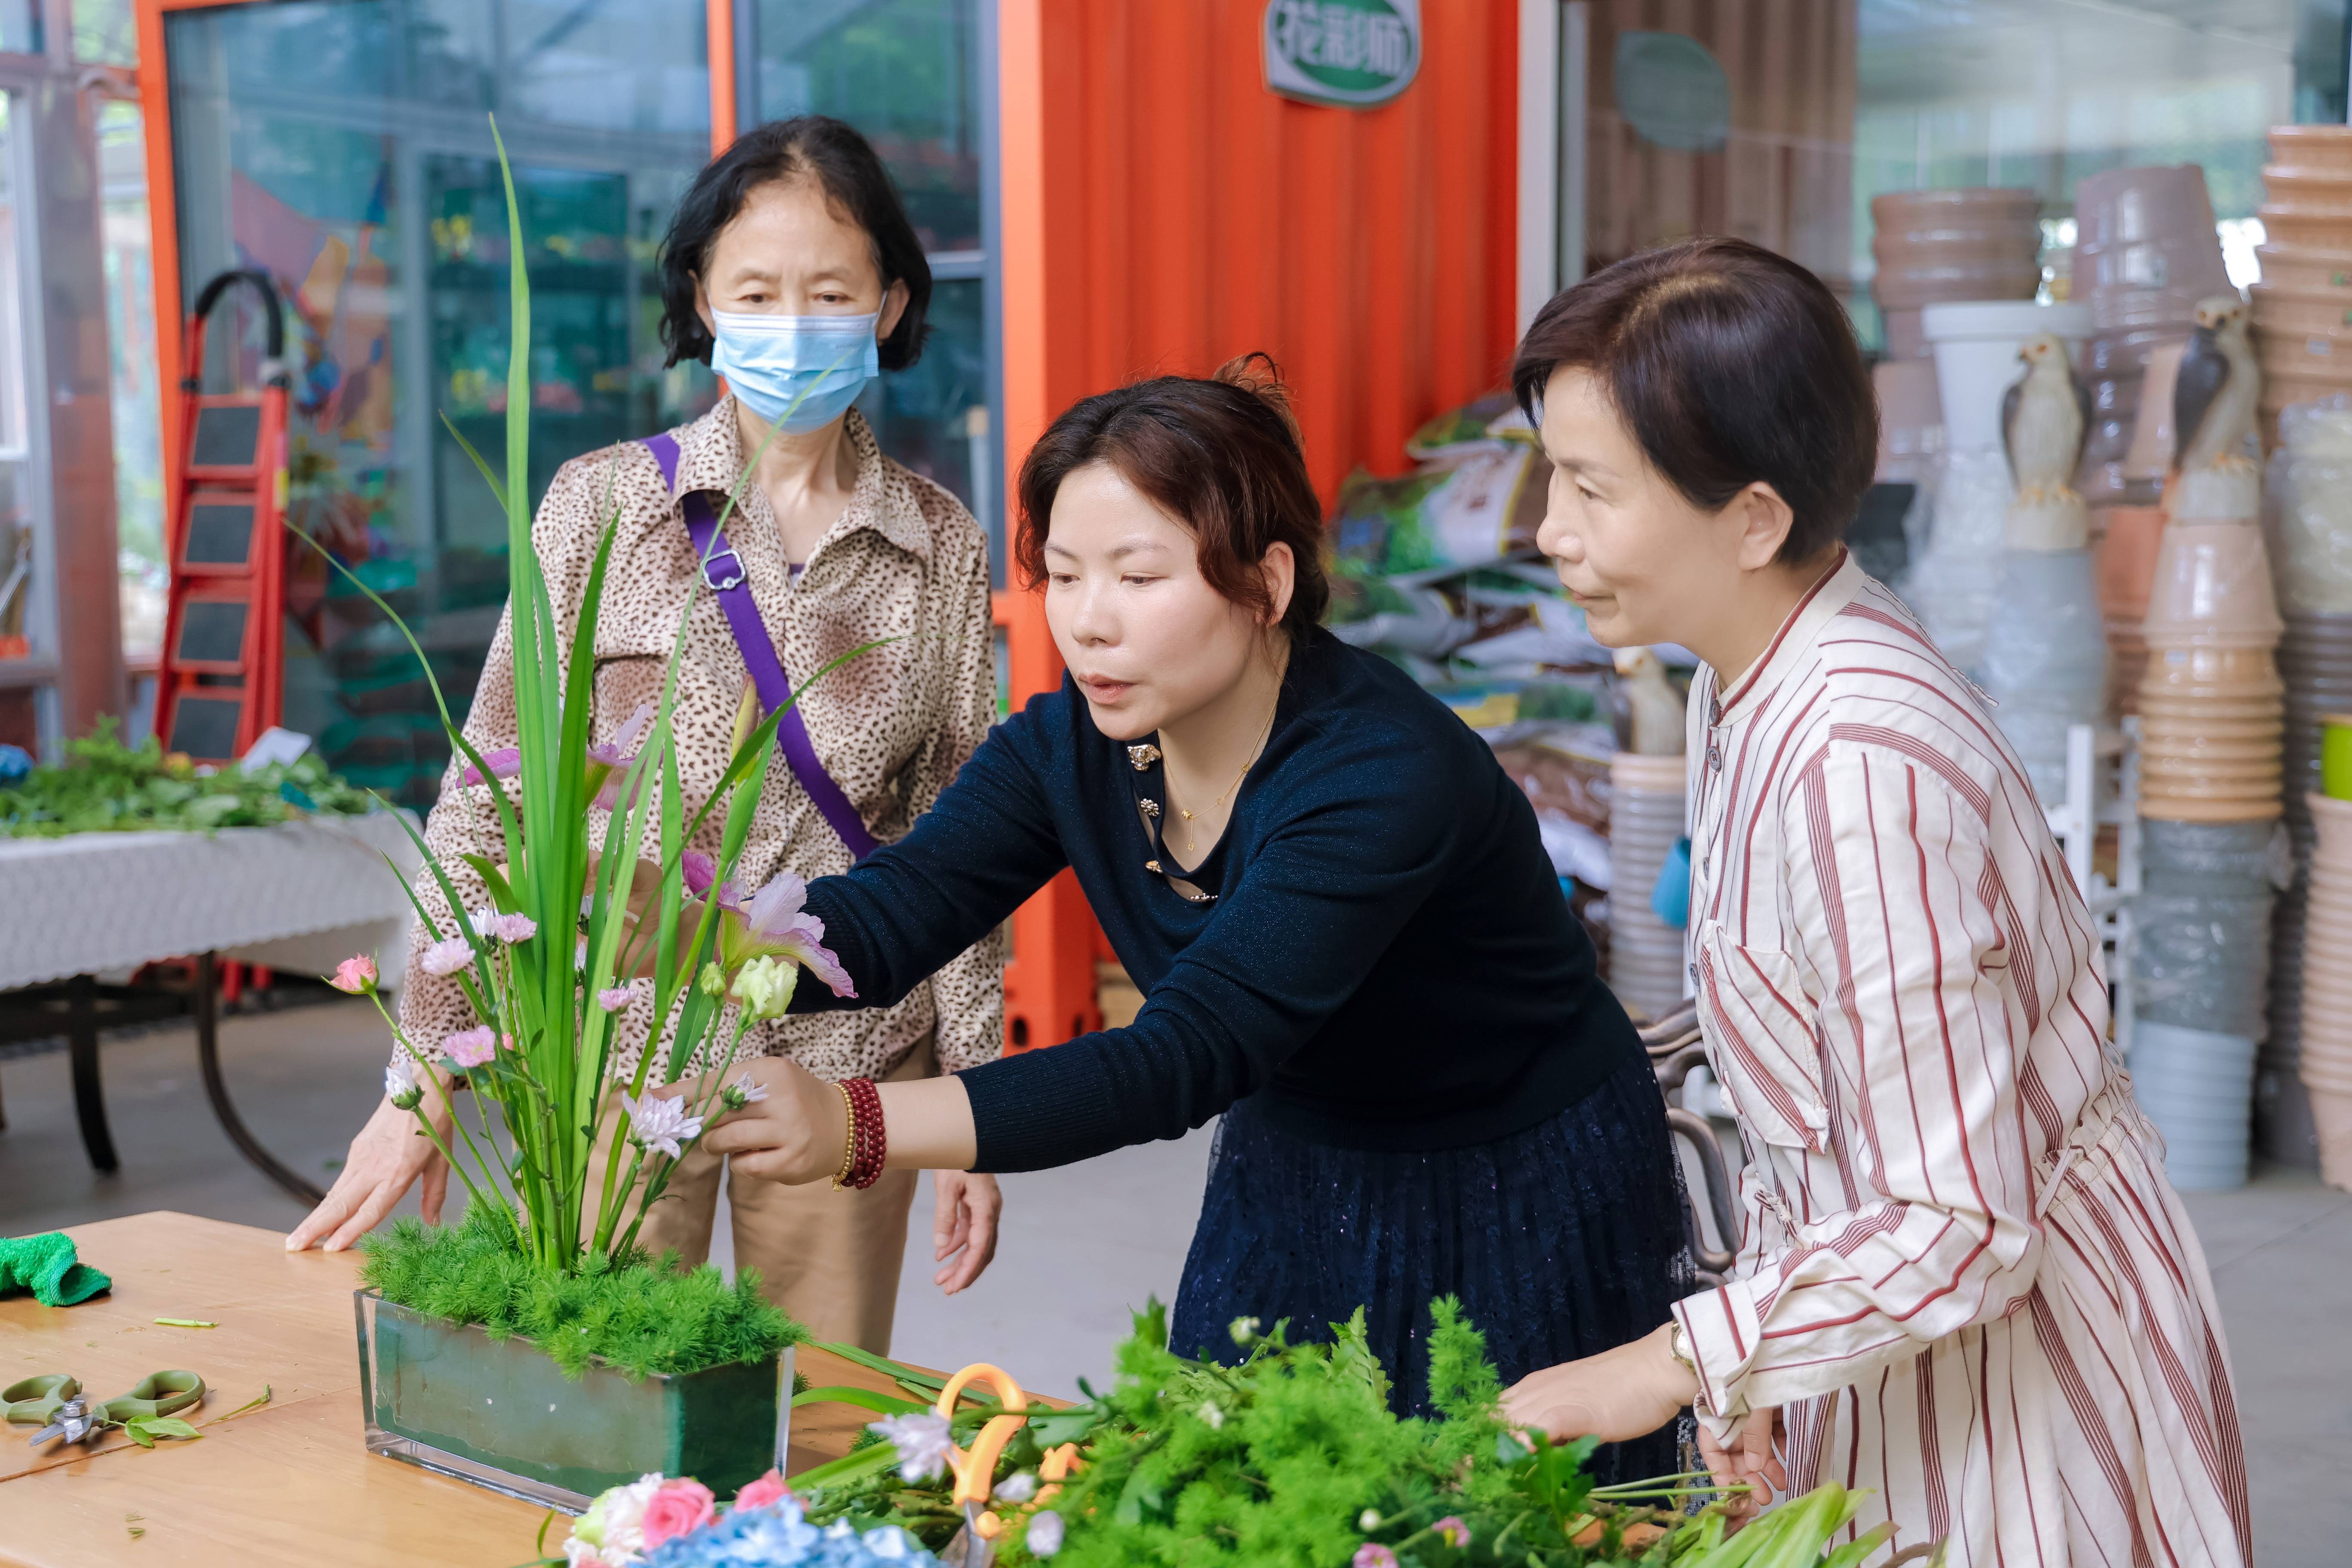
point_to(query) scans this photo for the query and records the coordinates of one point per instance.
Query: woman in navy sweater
(1349, 941)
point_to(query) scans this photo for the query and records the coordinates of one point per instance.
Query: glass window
(128, 250)
(20, 26)
(105, 32)
(2022, 93)
(343, 147)
(906, 73)
(19, 581)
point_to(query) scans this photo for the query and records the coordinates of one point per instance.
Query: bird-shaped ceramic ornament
(2044, 419)
(1653, 704)
(2215, 396)
(2213, 405)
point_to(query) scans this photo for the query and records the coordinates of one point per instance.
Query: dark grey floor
(1084, 1244)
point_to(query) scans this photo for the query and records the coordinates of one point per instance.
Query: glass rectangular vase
(503, 1414)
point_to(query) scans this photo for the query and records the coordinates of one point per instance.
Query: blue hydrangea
(780, 1536)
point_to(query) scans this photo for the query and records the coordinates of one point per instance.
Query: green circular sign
(1672, 91)
(1350, 52)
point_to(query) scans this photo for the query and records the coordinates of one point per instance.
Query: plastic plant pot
(502, 1415)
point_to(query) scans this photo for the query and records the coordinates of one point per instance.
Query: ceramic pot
(1910, 417)
(2127, 554)
(2182, 810)
(2277, 309)
(2322, 353)
(1906, 337)
(2148, 456)
(2305, 271)
(2212, 589)
(1976, 345)
(2146, 249)
(2300, 186)
(2312, 146)
(2306, 227)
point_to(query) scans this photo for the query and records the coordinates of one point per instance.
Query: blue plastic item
(1670, 897)
(15, 763)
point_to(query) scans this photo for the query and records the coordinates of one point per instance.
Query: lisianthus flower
(764, 987)
(400, 1084)
(613, 1000)
(661, 1126)
(1018, 1487)
(356, 976)
(763, 1492)
(609, 760)
(921, 1439)
(769, 923)
(471, 1048)
(699, 870)
(447, 956)
(1373, 1555)
(505, 763)
(1453, 1531)
(676, 1508)
(1043, 1536)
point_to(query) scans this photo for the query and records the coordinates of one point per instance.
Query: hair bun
(1256, 374)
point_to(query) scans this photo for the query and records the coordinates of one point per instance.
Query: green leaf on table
(145, 1429)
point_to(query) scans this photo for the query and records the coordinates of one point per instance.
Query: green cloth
(45, 1266)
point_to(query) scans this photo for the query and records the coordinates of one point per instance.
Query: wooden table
(286, 1483)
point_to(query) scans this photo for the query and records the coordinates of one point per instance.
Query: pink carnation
(471, 1048)
(613, 1000)
(678, 1508)
(768, 1488)
(356, 976)
(447, 956)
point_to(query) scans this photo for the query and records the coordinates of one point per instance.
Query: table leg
(207, 1003)
(88, 1089)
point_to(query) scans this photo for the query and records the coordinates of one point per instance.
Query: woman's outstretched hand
(1620, 1395)
(963, 1234)
(387, 1157)
(1748, 1458)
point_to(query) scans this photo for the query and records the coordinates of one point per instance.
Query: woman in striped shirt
(1963, 1280)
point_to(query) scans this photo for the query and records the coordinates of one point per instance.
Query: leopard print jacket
(904, 560)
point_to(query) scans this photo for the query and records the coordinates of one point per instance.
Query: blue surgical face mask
(798, 372)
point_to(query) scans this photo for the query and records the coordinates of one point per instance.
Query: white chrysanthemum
(921, 1440)
(662, 1126)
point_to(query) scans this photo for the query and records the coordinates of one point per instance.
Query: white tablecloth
(302, 895)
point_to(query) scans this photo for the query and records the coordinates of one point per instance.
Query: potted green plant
(534, 1348)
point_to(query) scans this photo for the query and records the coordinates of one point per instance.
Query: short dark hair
(1220, 454)
(1729, 365)
(844, 165)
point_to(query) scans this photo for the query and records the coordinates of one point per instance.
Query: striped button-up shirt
(1962, 1276)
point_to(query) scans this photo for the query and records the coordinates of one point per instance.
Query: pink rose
(356, 976)
(768, 1488)
(678, 1508)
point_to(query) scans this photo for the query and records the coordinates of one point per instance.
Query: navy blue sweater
(1388, 963)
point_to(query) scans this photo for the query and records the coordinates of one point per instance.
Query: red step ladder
(220, 680)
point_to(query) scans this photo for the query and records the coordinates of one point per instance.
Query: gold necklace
(1256, 751)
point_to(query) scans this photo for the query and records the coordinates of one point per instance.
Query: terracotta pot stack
(2144, 253)
(2303, 306)
(2211, 704)
(1933, 247)
(2308, 515)
(1645, 818)
(2326, 1064)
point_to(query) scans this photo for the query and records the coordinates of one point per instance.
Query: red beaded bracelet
(869, 1144)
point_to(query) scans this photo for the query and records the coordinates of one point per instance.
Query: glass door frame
(732, 32)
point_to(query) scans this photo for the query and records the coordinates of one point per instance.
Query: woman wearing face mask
(1964, 1282)
(1337, 906)
(791, 269)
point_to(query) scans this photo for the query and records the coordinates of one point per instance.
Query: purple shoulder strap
(776, 688)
